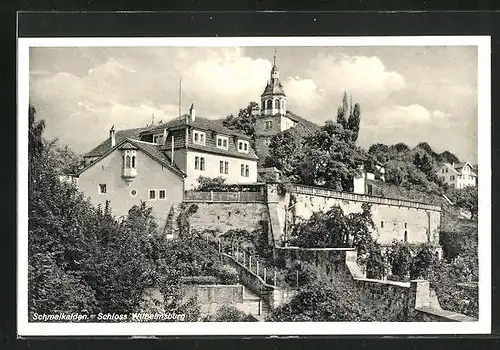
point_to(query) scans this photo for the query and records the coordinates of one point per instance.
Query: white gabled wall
(212, 169)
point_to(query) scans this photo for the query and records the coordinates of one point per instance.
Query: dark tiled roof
(274, 88)
(120, 135)
(150, 149)
(154, 151)
(200, 123)
(459, 166)
(306, 124)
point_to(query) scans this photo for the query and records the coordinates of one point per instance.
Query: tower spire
(274, 57)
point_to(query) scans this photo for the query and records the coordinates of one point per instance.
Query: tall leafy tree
(245, 121)
(354, 120)
(349, 116)
(285, 152)
(467, 198)
(331, 158)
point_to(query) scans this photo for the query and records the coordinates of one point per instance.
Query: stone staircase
(253, 305)
(274, 224)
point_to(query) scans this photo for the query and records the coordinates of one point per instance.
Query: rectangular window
(202, 163)
(102, 188)
(406, 225)
(247, 171)
(381, 224)
(452, 178)
(243, 146)
(266, 142)
(222, 142)
(242, 170)
(269, 124)
(223, 167)
(161, 194)
(196, 163)
(199, 138)
(152, 194)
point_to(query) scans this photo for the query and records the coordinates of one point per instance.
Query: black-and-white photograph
(224, 180)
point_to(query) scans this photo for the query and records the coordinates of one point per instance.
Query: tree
(423, 262)
(285, 152)
(333, 229)
(322, 230)
(354, 120)
(63, 158)
(361, 226)
(400, 259)
(245, 121)
(330, 158)
(424, 163)
(467, 199)
(448, 157)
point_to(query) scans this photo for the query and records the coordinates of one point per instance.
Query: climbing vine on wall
(183, 218)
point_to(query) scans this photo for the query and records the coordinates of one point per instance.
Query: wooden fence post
(257, 267)
(275, 277)
(250, 262)
(211, 196)
(244, 258)
(265, 281)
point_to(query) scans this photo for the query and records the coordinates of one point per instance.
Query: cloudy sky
(407, 94)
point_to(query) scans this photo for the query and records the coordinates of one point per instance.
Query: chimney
(192, 113)
(112, 136)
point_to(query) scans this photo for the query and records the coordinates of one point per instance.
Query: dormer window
(222, 142)
(199, 138)
(157, 139)
(243, 146)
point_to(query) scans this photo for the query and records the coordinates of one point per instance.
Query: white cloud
(365, 78)
(440, 114)
(397, 116)
(126, 87)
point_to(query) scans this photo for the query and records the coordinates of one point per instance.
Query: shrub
(423, 261)
(332, 303)
(400, 259)
(227, 275)
(301, 273)
(198, 280)
(229, 314)
(375, 263)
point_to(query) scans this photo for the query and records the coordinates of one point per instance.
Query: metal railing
(314, 191)
(240, 196)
